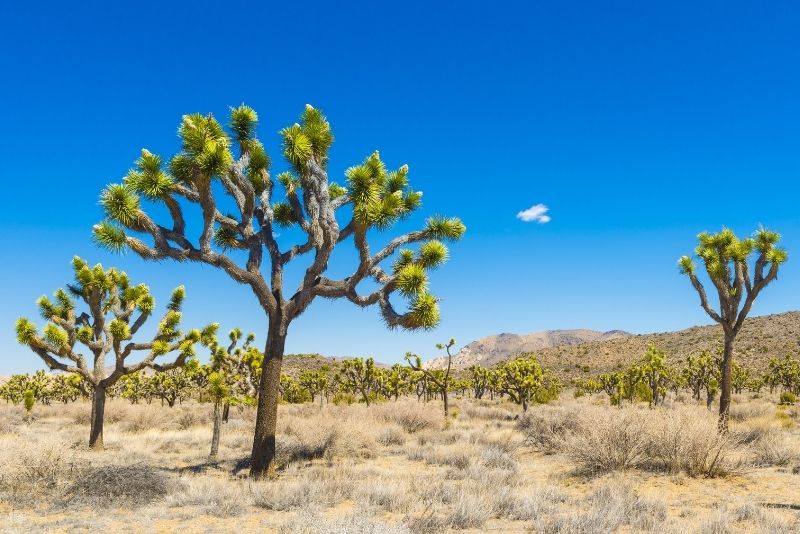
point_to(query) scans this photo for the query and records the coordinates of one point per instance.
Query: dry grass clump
(545, 427)
(391, 435)
(33, 470)
(744, 411)
(215, 497)
(607, 509)
(608, 441)
(136, 484)
(312, 522)
(411, 416)
(682, 439)
(775, 447)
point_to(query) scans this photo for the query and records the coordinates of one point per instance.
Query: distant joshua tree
(727, 262)
(117, 310)
(373, 201)
(440, 378)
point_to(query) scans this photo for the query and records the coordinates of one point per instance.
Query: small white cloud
(537, 213)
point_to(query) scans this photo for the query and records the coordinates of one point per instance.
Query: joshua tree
(439, 379)
(727, 262)
(315, 383)
(376, 198)
(224, 378)
(656, 374)
(357, 375)
(521, 378)
(702, 373)
(117, 310)
(30, 399)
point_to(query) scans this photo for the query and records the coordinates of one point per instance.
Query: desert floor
(575, 466)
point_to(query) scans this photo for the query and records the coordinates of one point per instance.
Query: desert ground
(576, 465)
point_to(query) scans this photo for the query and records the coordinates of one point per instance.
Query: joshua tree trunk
(226, 412)
(263, 454)
(446, 404)
(725, 386)
(98, 412)
(215, 434)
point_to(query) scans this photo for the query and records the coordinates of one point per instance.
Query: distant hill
(569, 354)
(492, 350)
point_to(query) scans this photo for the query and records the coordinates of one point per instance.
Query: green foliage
(29, 399)
(787, 398)
(524, 381)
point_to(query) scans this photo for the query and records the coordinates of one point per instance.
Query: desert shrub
(409, 417)
(187, 419)
(388, 498)
(742, 411)
(391, 435)
(284, 495)
(290, 448)
(492, 412)
(344, 398)
(608, 441)
(544, 428)
(113, 485)
(470, 510)
(32, 471)
(787, 398)
(216, 497)
(687, 441)
(312, 522)
(536, 504)
(497, 458)
(607, 509)
(775, 447)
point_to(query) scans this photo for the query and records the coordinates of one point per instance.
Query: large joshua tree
(214, 164)
(727, 260)
(116, 311)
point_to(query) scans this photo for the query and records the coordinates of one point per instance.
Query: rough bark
(98, 413)
(216, 432)
(263, 454)
(725, 385)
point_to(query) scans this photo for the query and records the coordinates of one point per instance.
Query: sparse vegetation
(571, 465)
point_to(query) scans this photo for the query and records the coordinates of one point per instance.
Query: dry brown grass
(574, 467)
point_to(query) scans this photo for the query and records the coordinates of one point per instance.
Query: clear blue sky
(638, 124)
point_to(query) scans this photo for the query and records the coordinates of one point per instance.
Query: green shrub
(344, 398)
(787, 397)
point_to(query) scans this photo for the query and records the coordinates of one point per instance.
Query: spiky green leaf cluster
(206, 149)
(450, 228)
(55, 336)
(176, 299)
(148, 179)
(120, 204)
(119, 329)
(424, 311)
(26, 331)
(109, 236)
(283, 214)
(380, 198)
(412, 280)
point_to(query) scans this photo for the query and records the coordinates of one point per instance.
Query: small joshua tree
(357, 375)
(440, 379)
(30, 399)
(702, 373)
(315, 382)
(727, 261)
(117, 310)
(656, 373)
(373, 200)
